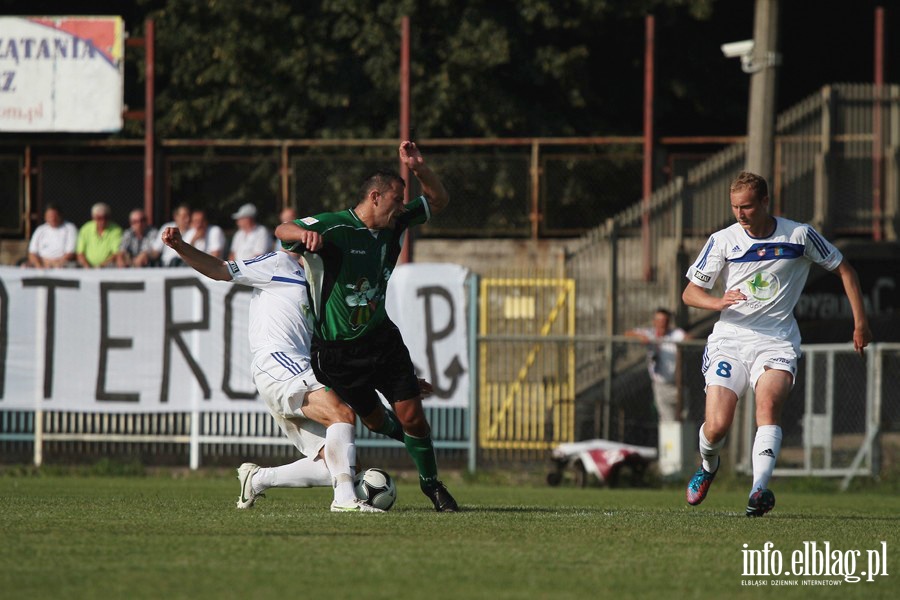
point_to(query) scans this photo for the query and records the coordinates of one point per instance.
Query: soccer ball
(376, 488)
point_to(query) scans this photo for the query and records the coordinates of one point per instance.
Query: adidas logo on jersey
(767, 452)
(736, 249)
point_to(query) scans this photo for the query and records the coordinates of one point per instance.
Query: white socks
(766, 447)
(340, 456)
(709, 452)
(336, 470)
(306, 472)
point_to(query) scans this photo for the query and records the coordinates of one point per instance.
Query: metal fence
(827, 157)
(191, 439)
(839, 407)
(516, 188)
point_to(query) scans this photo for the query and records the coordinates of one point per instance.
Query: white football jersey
(770, 272)
(279, 306)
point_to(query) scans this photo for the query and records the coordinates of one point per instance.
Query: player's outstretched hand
(732, 297)
(171, 237)
(861, 338)
(410, 155)
(312, 240)
(425, 388)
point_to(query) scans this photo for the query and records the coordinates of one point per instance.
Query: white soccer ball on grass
(376, 488)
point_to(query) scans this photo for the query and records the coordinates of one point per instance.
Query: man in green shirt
(356, 349)
(98, 239)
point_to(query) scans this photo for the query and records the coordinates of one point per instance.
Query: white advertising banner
(170, 340)
(61, 74)
(428, 304)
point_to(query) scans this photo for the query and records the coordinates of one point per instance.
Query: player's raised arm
(201, 262)
(301, 239)
(862, 335)
(432, 188)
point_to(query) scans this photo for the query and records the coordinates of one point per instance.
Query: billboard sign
(61, 74)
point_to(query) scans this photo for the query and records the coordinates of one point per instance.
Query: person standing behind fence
(765, 261)
(52, 244)
(181, 218)
(138, 241)
(356, 349)
(287, 214)
(662, 361)
(205, 237)
(251, 239)
(98, 239)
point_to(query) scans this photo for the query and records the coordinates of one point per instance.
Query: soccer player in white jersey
(311, 416)
(764, 261)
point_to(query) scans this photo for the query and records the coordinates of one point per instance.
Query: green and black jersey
(348, 276)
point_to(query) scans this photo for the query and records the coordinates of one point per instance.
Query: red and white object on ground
(601, 458)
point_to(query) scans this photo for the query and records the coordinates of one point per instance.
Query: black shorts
(356, 368)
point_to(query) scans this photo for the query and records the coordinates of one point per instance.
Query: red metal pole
(149, 140)
(26, 174)
(406, 251)
(877, 141)
(649, 27)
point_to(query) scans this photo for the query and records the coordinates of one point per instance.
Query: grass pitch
(165, 537)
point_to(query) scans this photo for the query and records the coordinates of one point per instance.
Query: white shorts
(283, 380)
(735, 357)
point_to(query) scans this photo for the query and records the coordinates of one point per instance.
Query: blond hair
(751, 181)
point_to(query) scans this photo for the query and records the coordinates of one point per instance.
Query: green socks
(391, 427)
(422, 452)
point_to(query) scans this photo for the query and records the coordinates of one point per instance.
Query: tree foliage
(329, 68)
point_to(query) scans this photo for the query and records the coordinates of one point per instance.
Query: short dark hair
(664, 311)
(380, 180)
(753, 182)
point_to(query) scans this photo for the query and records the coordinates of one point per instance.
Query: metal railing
(824, 175)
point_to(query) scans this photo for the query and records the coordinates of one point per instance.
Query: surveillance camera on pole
(749, 63)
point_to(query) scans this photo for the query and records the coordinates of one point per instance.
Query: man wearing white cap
(251, 239)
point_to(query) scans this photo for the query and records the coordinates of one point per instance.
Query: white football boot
(245, 475)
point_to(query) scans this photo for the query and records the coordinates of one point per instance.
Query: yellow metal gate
(526, 363)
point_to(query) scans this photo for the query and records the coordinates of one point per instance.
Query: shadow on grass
(789, 516)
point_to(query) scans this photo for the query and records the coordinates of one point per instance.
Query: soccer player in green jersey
(356, 349)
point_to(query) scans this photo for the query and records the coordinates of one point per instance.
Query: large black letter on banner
(454, 369)
(226, 372)
(173, 334)
(106, 342)
(50, 332)
(4, 335)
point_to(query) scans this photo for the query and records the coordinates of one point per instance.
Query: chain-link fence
(221, 183)
(11, 195)
(831, 420)
(76, 182)
(499, 188)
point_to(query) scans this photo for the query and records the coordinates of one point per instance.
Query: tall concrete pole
(761, 117)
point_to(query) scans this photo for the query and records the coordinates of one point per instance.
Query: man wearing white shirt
(53, 244)
(662, 361)
(205, 237)
(181, 218)
(764, 261)
(251, 239)
(287, 214)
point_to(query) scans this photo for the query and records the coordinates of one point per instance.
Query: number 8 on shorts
(727, 372)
